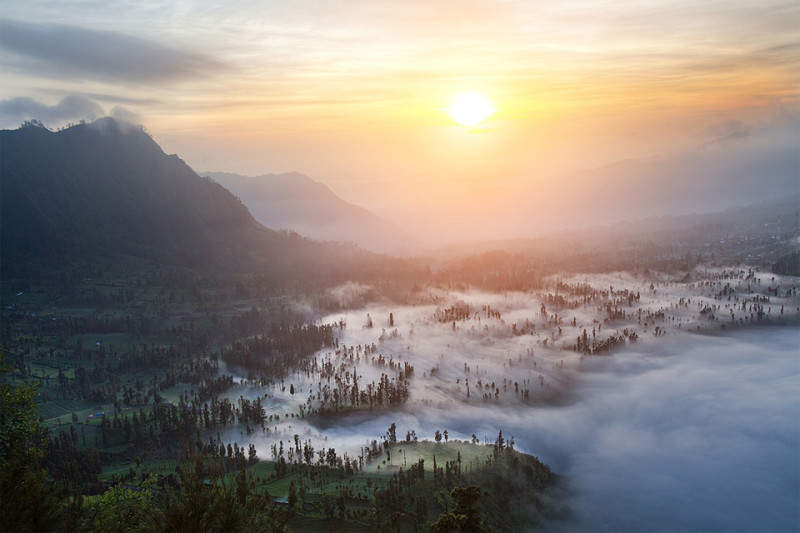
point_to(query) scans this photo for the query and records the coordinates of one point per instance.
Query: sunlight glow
(470, 108)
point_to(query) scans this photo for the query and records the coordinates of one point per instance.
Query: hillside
(295, 202)
(515, 491)
(107, 192)
(757, 234)
(712, 178)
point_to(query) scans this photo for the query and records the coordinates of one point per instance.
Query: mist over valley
(399, 267)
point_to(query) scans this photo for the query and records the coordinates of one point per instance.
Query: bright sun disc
(470, 109)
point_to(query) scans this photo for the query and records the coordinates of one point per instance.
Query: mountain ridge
(107, 190)
(295, 201)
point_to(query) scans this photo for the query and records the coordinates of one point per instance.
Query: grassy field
(405, 454)
(154, 466)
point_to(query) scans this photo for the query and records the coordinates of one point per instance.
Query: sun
(470, 108)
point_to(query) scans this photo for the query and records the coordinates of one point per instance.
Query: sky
(355, 94)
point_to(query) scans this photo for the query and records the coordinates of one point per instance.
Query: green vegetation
(132, 291)
(116, 398)
(27, 502)
(500, 490)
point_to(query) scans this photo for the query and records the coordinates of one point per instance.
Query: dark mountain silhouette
(295, 202)
(106, 190)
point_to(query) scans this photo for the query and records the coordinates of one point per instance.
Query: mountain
(296, 202)
(106, 191)
(729, 172)
(710, 178)
(765, 233)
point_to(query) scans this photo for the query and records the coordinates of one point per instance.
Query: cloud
(696, 435)
(123, 114)
(58, 50)
(103, 97)
(730, 130)
(70, 108)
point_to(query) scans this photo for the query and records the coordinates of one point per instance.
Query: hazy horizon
(358, 98)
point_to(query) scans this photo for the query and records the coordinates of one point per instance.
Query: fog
(673, 431)
(699, 433)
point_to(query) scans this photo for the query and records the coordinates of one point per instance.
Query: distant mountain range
(295, 202)
(106, 191)
(731, 172)
(764, 232)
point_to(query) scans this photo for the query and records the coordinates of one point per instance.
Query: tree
(33, 123)
(292, 495)
(328, 507)
(122, 510)
(28, 502)
(242, 490)
(446, 523)
(465, 516)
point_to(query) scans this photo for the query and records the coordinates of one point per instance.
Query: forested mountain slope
(106, 191)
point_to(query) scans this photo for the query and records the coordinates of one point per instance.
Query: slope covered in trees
(106, 191)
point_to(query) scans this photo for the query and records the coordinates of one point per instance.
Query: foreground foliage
(499, 489)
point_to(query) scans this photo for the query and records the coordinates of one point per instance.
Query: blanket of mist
(699, 434)
(696, 434)
(691, 433)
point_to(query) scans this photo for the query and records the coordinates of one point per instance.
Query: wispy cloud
(70, 108)
(102, 97)
(59, 50)
(123, 114)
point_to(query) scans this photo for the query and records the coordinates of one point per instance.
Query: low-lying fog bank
(669, 430)
(699, 434)
(696, 433)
